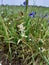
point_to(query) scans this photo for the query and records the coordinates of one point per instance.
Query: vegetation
(24, 37)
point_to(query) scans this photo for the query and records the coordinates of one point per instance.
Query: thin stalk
(26, 5)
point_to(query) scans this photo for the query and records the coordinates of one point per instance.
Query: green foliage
(28, 36)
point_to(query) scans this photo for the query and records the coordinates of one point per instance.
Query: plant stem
(26, 5)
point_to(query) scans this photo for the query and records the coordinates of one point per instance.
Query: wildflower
(9, 23)
(42, 49)
(22, 29)
(30, 39)
(32, 14)
(24, 3)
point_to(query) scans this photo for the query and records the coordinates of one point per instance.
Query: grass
(25, 36)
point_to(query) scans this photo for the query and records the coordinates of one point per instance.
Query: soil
(4, 60)
(16, 60)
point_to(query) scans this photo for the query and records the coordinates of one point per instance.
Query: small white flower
(29, 39)
(23, 35)
(9, 23)
(39, 48)
(26, 36)
(21, 27)
(42, 49)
